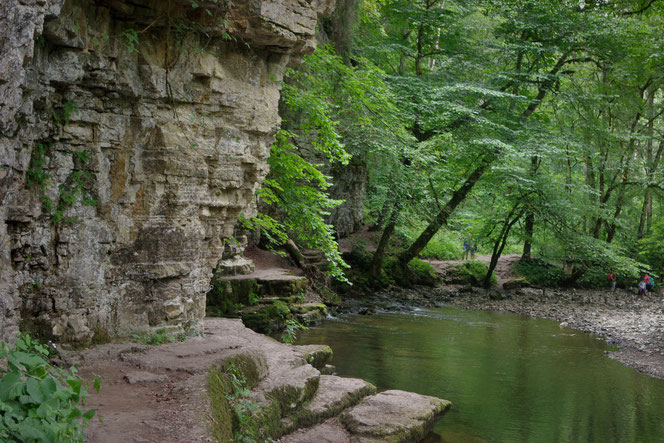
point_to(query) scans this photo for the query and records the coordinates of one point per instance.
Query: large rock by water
(159, 394)
(129, 145)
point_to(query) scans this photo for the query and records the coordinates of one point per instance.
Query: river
(510, 378)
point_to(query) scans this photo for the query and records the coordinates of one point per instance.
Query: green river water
(510, 378)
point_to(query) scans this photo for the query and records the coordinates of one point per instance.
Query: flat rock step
(235, 266)
(334, 394)
(393, 416)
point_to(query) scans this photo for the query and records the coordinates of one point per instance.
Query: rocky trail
(159, 393)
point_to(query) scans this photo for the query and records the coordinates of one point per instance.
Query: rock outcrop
(132, 135)
(290, 399)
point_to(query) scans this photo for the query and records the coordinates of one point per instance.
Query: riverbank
(636, 326)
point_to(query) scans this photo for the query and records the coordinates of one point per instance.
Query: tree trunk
(442, 217)
(294, 253)
(499, 245)
(529, 230)
(646, 213)
(529, 227)
(377, 261)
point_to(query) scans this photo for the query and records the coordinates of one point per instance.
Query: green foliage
(422, 272)
(70, 192)
(63, 116)
(470, 272)
(234, 417)
(290, 333)
(445, 245)
(131, 39)
(298, 189)
(417, 272)
(651, 248)
(39, 402)
(595, 277)
(227, 384)
(541, 273)
(158, 337)
(36, 174)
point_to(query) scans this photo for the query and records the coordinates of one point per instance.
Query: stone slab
(393, 416)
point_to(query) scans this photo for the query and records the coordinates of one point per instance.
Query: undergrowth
(39, 402)
(471, 272)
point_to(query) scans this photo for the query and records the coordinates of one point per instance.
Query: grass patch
(158, 337)
(470, 272)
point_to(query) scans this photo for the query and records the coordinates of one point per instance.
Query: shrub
(594, 277)
(443, 246)
(540, 273)
(470, 272)
(418, 272)
(422, 273)
(39, 402)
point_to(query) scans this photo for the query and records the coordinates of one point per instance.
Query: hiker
(473, 250)
(612, 281)
(650, 284)
(466, 248)
(642, 287)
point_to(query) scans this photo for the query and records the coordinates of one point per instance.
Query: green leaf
(34, 390)
(8, 384)
(75, 385)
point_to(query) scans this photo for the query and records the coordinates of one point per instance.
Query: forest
(527, 126)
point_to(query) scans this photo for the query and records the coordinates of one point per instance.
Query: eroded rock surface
(159, 393)
(132, 135)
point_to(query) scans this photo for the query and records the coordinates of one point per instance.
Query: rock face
(350, 183)
(132, 135)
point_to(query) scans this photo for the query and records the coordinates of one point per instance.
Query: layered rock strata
(132, 135)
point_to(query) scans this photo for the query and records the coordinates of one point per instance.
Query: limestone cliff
(132, 135)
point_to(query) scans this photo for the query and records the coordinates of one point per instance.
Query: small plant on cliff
(39, 402)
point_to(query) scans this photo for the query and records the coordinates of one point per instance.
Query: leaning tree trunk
(499, 245)
(377, 261)
(442, 217)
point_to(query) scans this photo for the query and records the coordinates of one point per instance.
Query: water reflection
(510, 378)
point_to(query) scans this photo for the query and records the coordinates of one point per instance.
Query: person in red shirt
(612, 281)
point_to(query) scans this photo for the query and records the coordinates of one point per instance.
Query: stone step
(334, 394)
(270, 300)
(308, 313)
(330, 431)
(236, 265)
(394, 416)
(284, 286)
